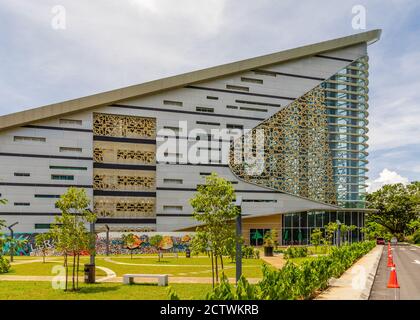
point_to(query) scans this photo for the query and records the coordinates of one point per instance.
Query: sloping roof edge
(49, 111)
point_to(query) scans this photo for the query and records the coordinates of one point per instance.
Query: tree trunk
(217, 269)
(77, 271)
(131, 253)
(221, 263)
(43, 257)
(67, 270)
(212, 270)
(74, 269)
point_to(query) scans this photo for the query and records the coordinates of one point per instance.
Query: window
(241, 88)
(61, 177)
(172, 103)
(204, 109)
(47, 196)
(34, 139)
(234, 126)
(25, 204)
(173, 181)
(252, 80)
(70, 149)
(22, 174)
(205, 173)
(67, 168)
(253, 109)
(175, 129)
(259, 103)
(259, 200)
(43, 226)
(172, 208)
(212, 98)
(265, 73)
(256, 236)
(208, 123)
(70, 121)
(231, 107)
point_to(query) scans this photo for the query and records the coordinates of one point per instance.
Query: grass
(178, 267)
(25, 290)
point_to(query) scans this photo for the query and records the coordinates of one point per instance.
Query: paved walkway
(276, 261)
(356, 283)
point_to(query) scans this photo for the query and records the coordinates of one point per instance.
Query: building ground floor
(296, 228)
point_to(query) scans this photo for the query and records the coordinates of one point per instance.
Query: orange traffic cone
(393, 282)
(390, 261)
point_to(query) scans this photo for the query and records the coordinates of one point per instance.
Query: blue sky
(111, 44)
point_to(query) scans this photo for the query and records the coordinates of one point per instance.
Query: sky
(103, 45)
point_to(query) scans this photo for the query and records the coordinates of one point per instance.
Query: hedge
(294, 282)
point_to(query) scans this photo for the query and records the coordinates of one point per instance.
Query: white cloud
(386, 177)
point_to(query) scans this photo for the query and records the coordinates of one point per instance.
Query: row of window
(228, 125)
(53, 176)
(43, 139)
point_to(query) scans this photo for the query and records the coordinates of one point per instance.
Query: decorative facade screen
(124, 167)
(316, 146)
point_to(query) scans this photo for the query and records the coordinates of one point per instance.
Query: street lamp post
(238, 204)
(12, 245)
(92, 244)
(107, 239)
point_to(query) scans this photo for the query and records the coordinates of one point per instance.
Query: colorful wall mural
(171, 242)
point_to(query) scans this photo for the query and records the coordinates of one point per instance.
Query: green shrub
(295, 252)
(250, 253)
(294, 282)
(4, 265)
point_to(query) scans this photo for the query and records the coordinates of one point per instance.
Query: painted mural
(171, 242)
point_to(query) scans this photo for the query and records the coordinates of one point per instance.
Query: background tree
(155, 241)
(373, 230)
(69, 232)
(213, 206)
(396, 206)
(129, 241)
(42, 242)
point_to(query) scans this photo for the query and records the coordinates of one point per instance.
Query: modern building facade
(140, 152)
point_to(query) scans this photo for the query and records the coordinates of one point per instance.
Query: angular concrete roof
(146, 88)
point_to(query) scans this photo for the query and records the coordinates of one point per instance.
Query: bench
(162, 278)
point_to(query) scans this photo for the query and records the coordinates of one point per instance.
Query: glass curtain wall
(297, 227)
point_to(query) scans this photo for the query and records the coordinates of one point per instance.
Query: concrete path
(355, 283)
(407, 264)
(276, 261)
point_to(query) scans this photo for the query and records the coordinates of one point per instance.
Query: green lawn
(25, 290)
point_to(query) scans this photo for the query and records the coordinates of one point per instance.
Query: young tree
(155, 241)
(69, 232)
(330, 231)
(129, 241)
(316, 238)
(396, 206)
(42, 242)
(214, 208)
